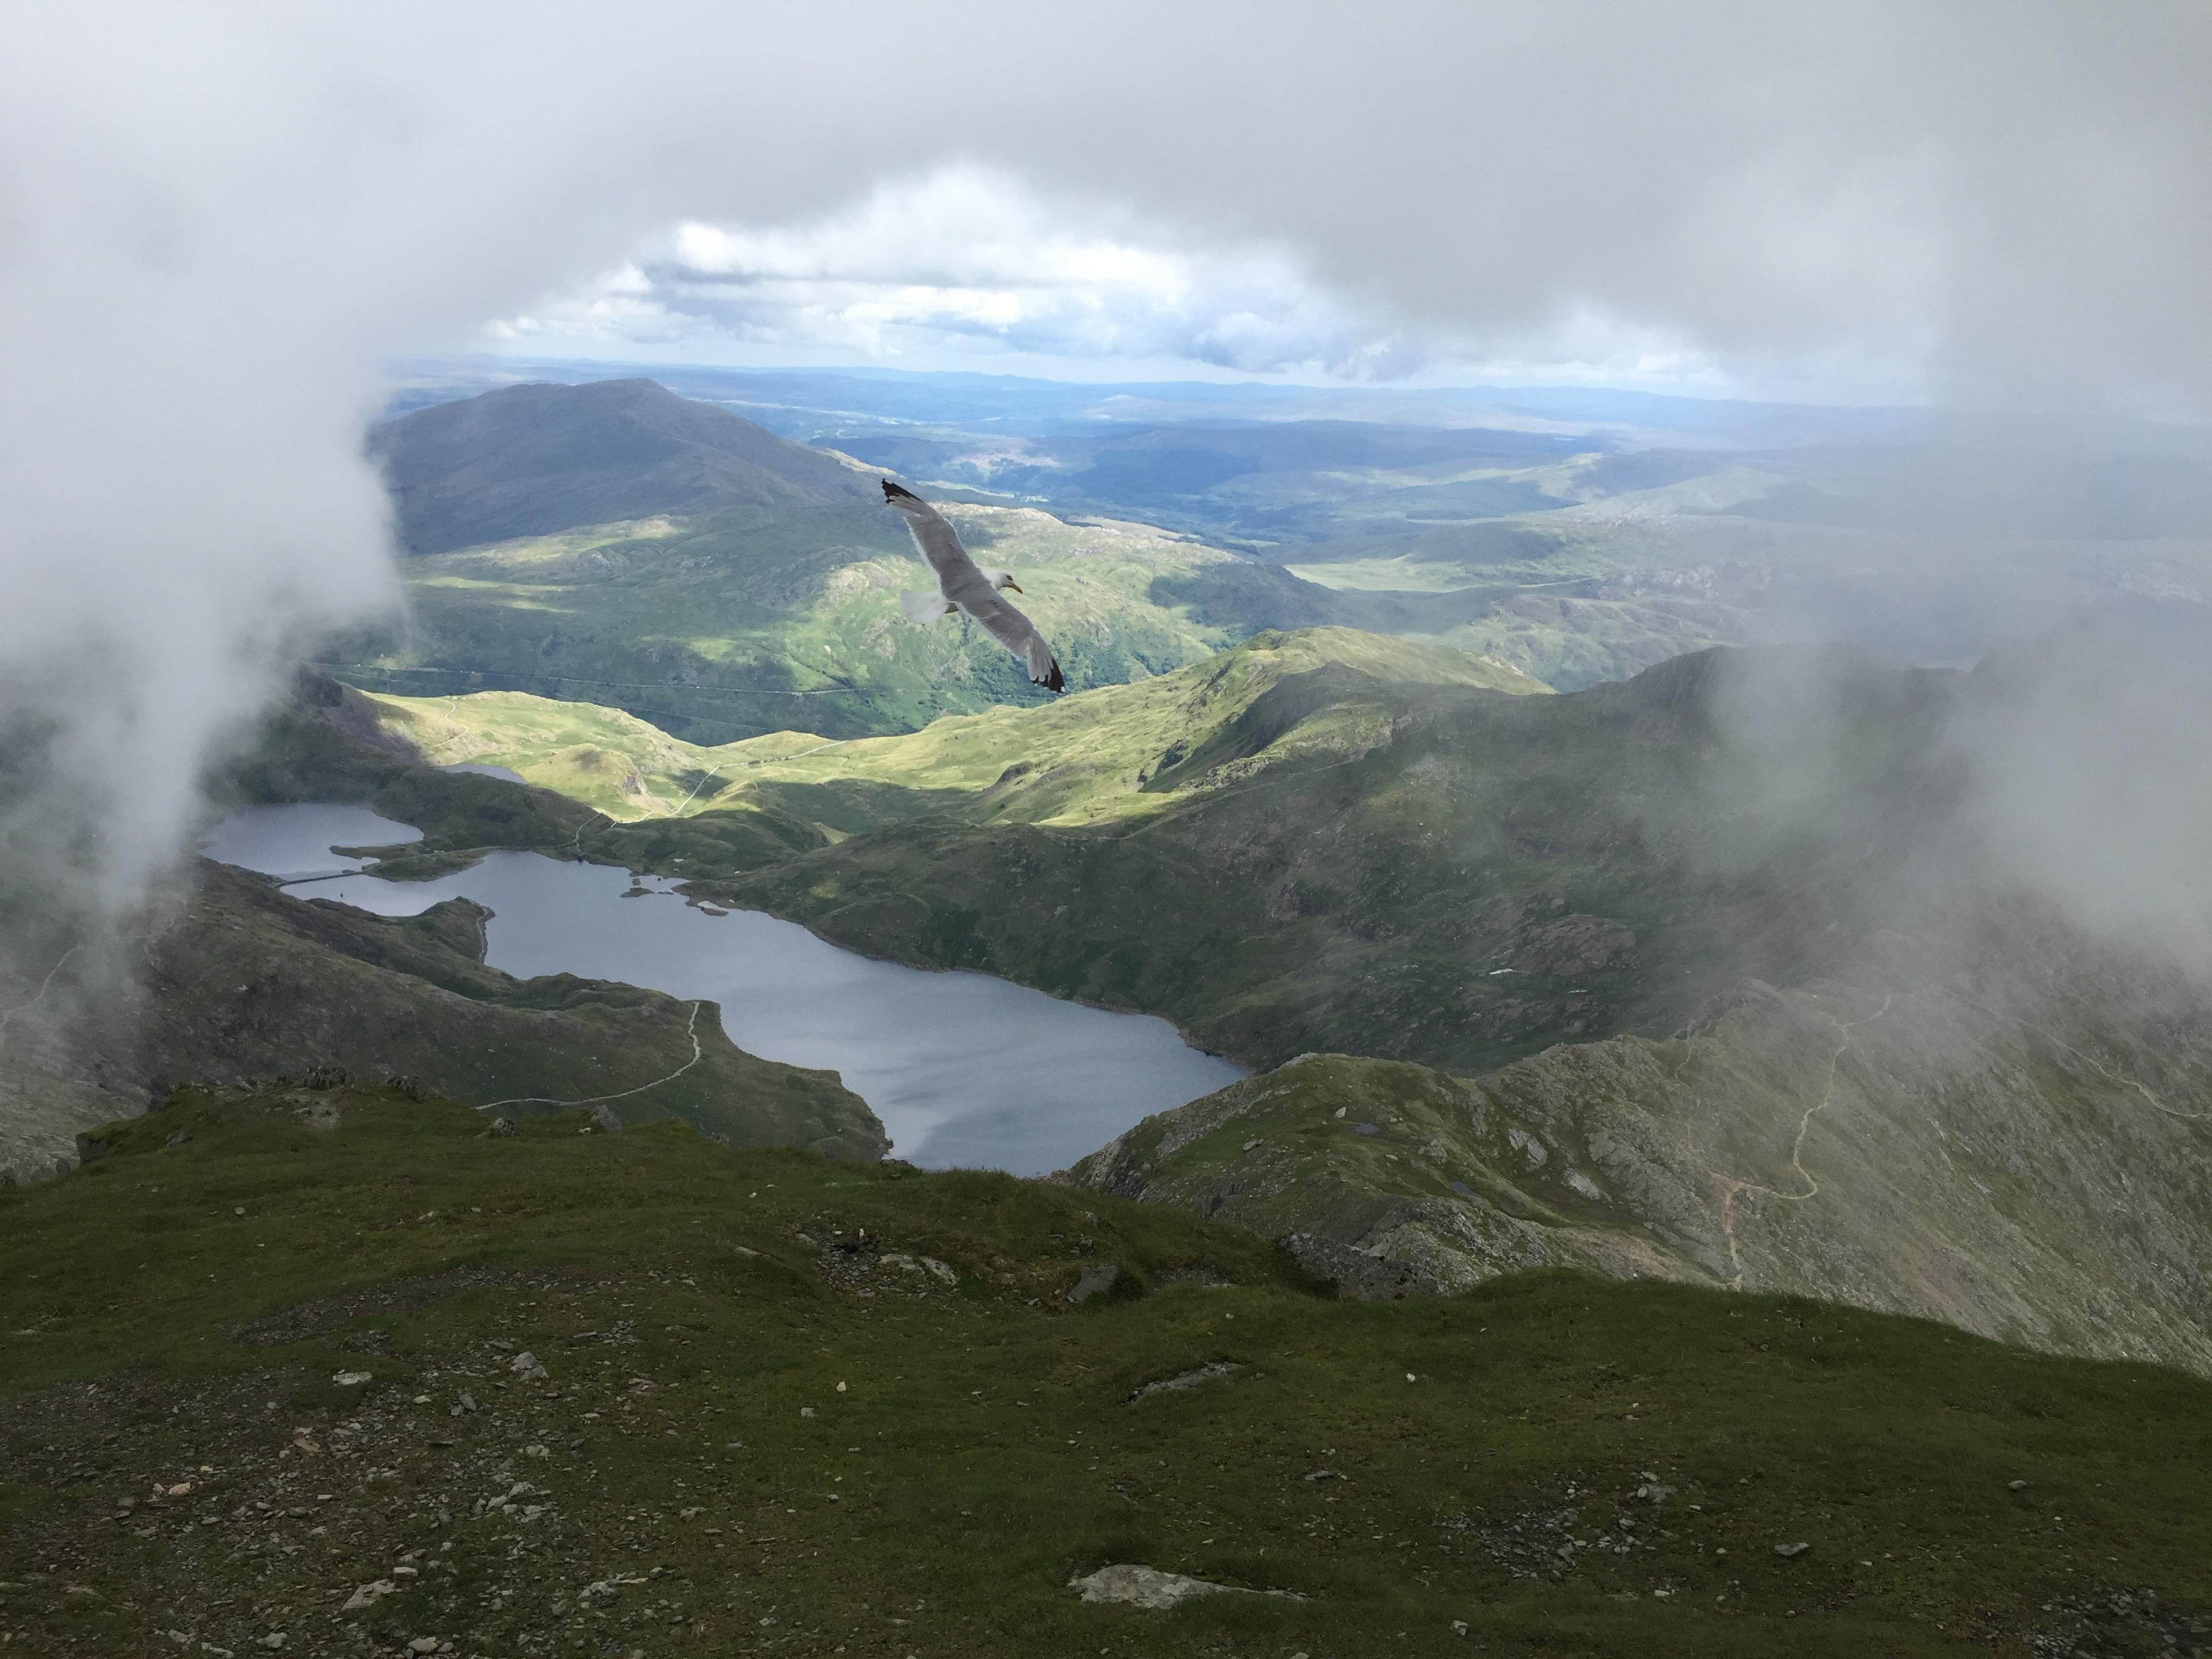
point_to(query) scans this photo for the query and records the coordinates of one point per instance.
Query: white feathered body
(963, 587)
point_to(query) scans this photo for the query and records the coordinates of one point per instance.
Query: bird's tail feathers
(1044, 667)
(925, 608)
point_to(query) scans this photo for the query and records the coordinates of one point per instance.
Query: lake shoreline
(964, 1069)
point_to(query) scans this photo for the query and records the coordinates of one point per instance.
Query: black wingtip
(1053, 681)
(892, 492)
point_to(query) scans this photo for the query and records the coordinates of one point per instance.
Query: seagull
(962, 586)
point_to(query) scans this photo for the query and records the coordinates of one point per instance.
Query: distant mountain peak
(533, 460)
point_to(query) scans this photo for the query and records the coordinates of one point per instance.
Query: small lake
(965, 1070)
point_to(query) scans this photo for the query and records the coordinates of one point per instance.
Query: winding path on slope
(2154, 1102)
(690, 1030)
(44, 986)
(1733, 1187)
(2091, 1061)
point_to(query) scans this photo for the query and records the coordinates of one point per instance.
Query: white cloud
(968, 268)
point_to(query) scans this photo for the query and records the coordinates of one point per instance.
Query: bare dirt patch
(403, 1296)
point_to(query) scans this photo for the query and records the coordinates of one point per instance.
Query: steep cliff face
(2022, 1153)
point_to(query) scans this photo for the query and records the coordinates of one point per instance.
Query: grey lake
(965, 1070)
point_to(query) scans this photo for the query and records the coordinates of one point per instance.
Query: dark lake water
(963, 1069)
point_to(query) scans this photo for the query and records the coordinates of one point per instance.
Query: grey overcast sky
(1852, 201)
(1985, 202)
(219, 221)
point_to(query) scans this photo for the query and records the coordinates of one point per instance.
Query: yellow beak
(1017, 586)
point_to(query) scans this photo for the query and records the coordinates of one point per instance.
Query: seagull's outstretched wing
(940, 545)
(966, 586)
(1019, 635)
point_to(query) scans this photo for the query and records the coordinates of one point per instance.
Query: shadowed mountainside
(2018, 1149)
(530, 460)
(253, 982)
(1300, 846)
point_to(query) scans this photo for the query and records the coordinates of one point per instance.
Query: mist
(2039, 812)
(217, 224)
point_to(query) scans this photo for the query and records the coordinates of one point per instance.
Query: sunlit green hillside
(728, 630)
(629, 769)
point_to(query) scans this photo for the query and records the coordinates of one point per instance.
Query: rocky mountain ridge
(2031, 1161)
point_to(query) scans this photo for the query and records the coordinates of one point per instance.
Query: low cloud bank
(2066, 777)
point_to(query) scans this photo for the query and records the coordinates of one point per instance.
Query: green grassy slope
(1319, 841)
(758, 1432)
(1097, 746)
(1390, 1178)
(250, 980)
(617, 543)
(1334, 857)
(322, 743)
(718, 628)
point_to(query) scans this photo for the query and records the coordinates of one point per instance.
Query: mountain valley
(1716, 1023)
(1722, 1168)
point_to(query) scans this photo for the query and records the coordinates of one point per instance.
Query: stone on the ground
(527, 1366)
(1148, 1587)
(603, 1117)
(1142, 1587)
(1096, 1281)
(1204, 1374)
(1786, 1551)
